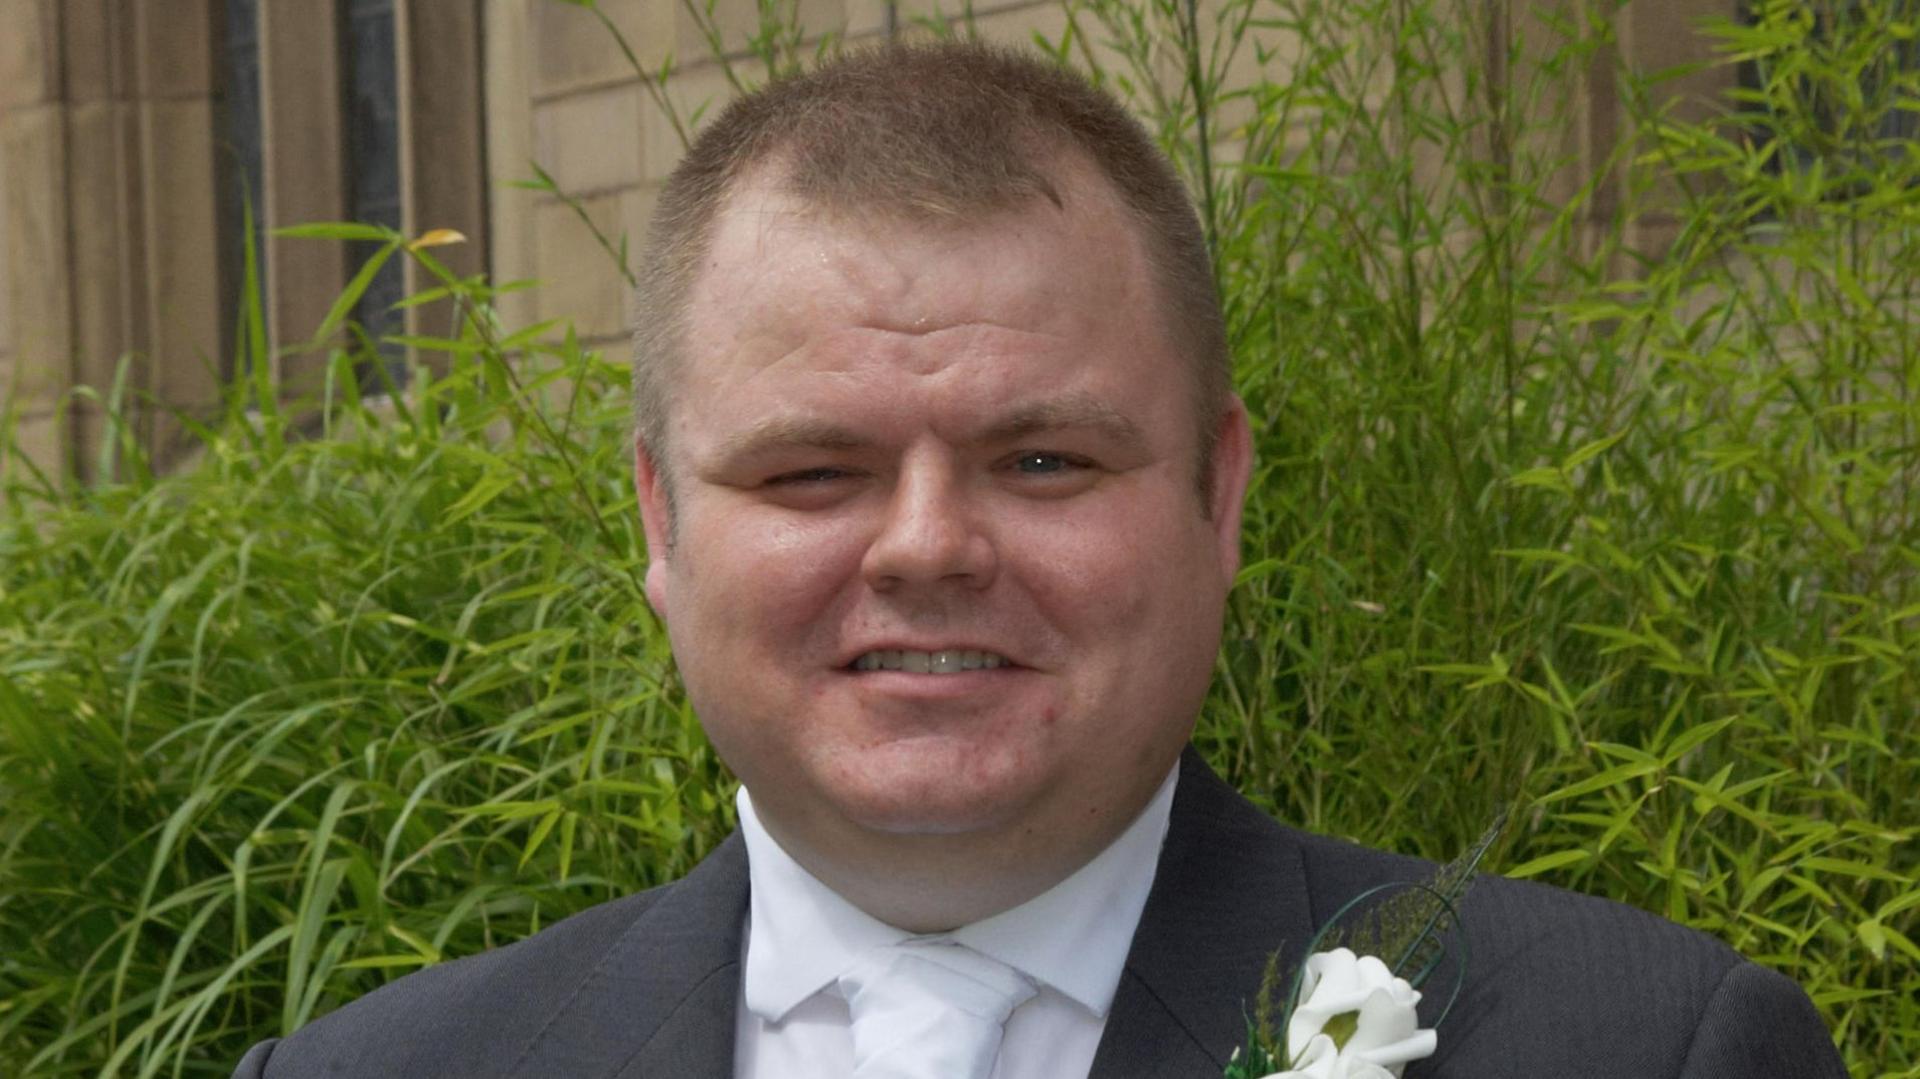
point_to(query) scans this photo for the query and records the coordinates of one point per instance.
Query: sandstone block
(106, 243)
(578, 282)
(175, 45)
(29, 62)
(32, 147)
(507, 81)
(41, 438)
(590, 142)
(737, 22)
(87, 31)
(183, 286)
(572, 50)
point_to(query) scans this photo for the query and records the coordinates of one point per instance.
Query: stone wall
(560, 92)
(110, 225)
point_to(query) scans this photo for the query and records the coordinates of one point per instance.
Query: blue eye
(1038, 464)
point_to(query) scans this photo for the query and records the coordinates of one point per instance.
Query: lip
(969, 690)
(847, 659)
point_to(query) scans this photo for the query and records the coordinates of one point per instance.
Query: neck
(935, 883)
(932, 884)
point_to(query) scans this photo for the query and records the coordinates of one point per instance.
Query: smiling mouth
(945, 661)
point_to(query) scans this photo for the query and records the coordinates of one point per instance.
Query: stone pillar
(508, 88)
(36, 302)
(108, 242)
(177, 286)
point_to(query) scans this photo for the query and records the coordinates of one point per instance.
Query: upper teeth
(946, 661)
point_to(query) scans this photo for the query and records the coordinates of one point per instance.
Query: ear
(1232, 471)
(656, 517)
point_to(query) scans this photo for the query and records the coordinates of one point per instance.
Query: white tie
(929, 1009)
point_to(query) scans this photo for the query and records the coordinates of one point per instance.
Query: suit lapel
(661, 1001)
(1230, 889)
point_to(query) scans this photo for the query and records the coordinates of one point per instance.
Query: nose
(931, 534)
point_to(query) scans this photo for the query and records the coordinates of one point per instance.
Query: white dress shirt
(1072, 940)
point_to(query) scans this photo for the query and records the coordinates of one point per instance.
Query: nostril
(928, 534)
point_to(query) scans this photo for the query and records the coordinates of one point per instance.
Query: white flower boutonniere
(1355, 1020)
(1351, 1014)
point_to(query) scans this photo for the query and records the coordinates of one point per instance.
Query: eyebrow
(1075, 411)
(789, 432)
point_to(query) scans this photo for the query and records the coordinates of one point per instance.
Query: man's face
(939, 566)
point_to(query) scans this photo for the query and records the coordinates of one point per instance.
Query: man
(941, 475)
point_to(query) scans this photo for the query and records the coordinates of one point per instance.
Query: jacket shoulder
(1560, 983)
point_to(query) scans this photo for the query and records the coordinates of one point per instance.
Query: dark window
(371, 110)
(1855, 121)
(240, 157)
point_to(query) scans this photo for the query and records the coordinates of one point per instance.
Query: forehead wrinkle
(924, 327)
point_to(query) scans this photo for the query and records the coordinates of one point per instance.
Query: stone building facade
(132, 132)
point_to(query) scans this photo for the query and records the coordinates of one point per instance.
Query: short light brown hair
(940, 132)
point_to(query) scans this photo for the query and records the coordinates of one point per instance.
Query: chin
(911, 825)
(942, 804)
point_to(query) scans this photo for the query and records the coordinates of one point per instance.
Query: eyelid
(813, 474)
(1070, 461)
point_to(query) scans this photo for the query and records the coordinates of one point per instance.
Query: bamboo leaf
(1546, 863)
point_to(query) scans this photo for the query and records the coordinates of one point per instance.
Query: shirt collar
(1073, 937)
(800, 934)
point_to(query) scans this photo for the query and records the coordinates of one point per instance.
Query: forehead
(776, 265)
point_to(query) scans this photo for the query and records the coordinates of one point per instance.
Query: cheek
(1099, 591)
(1110, 573)
(747, 573)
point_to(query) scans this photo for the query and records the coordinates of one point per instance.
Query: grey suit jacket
(1558, 986)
